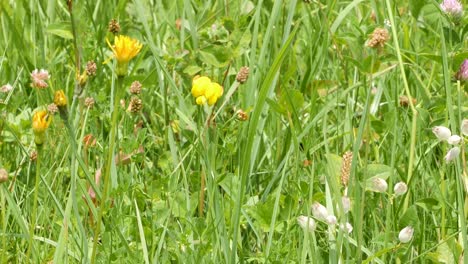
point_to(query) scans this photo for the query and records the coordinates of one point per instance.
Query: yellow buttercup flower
(59, 98)
(206, 91)
(40, 122)
(124, 49)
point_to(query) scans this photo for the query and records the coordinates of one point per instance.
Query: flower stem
(34, 210)
(110, 159)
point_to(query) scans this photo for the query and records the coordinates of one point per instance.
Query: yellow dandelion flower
(40, 122)
(124, 49)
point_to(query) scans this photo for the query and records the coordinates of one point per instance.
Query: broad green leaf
(62, 29)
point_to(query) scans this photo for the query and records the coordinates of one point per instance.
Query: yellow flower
(206, 91)
(59, 98)
(40, 122)
(199, 85)
(125, 49)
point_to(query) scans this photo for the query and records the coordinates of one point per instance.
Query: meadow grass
(342, 99)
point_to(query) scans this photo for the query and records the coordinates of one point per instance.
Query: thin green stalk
(4, 226)
(34, 211)
(110, 159)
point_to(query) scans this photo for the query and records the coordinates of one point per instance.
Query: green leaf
(378, 170)
(192, 70)
(291, 100)
(62, 29)
(428, 204)
(415, 7)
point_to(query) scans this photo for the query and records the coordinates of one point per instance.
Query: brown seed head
(89, 102)
(135, 88)
(135, 105)
(52, 108)
(346, 167)
(91, 68)
(378, 38)
(114, 26)
(242, 115)
(33, 156)
(243, 74)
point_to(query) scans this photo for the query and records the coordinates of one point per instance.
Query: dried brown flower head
(3, 175)
(378, 38)
(135, 105)
(243, 74)
(89, 102)
(135, 88)
(91, 68)
(52, 108)
(242, 115)
(114, 26)
(33, 156)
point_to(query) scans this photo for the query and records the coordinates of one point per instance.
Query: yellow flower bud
(40, 122)
(60, 99)
(201, 100)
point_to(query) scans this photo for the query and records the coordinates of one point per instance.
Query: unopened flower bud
(242, 115)
(60, 100)
(91, 68)
(452, 154)
(331, 220)
(379, 185)
(346, 227)
(406, 234)
(306, 223)
(464, 127)
(378, 38)
(319, 211)
(242, 75)
(3, 175)
(441, 132)
(346, 204)
(454, 140)
(89, 102)
(400, 188)
(114, 26)
(52, 108)
(135, 105)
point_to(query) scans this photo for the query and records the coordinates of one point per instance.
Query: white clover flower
(346, 227)
(400, 188)
(6, 88)
(454, 140)
(319, 211)
(331, 220)
(441, 132)
(306, 223)
(452, 154)
(346, 204)
(379, 185)
(406, 234)
(39, 77)
(464, 127)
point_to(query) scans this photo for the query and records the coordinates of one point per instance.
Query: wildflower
(3, 175)
(406, 234)
(91, 68)
(206, 91)
(464, 127)
(242, 75)
(39, 77)
(319, 211)
(378, 38)
(242, 115)
(135, 88)
(306, 223)
(346, 227)
(59, 99)
(6, 88)
(452, 8)
(441, 132)
(379, 185)
(331, 220)
(452, 154)
(462, 73)
(124, 49)
(114, 26)
(52, 108)
(346, 202)
(89, 102)
(40, 122)
(454, 140)
(400, 188)
(135, 105)
(346, 167)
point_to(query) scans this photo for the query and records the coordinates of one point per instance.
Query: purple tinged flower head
(462, 73)
(452, 7)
